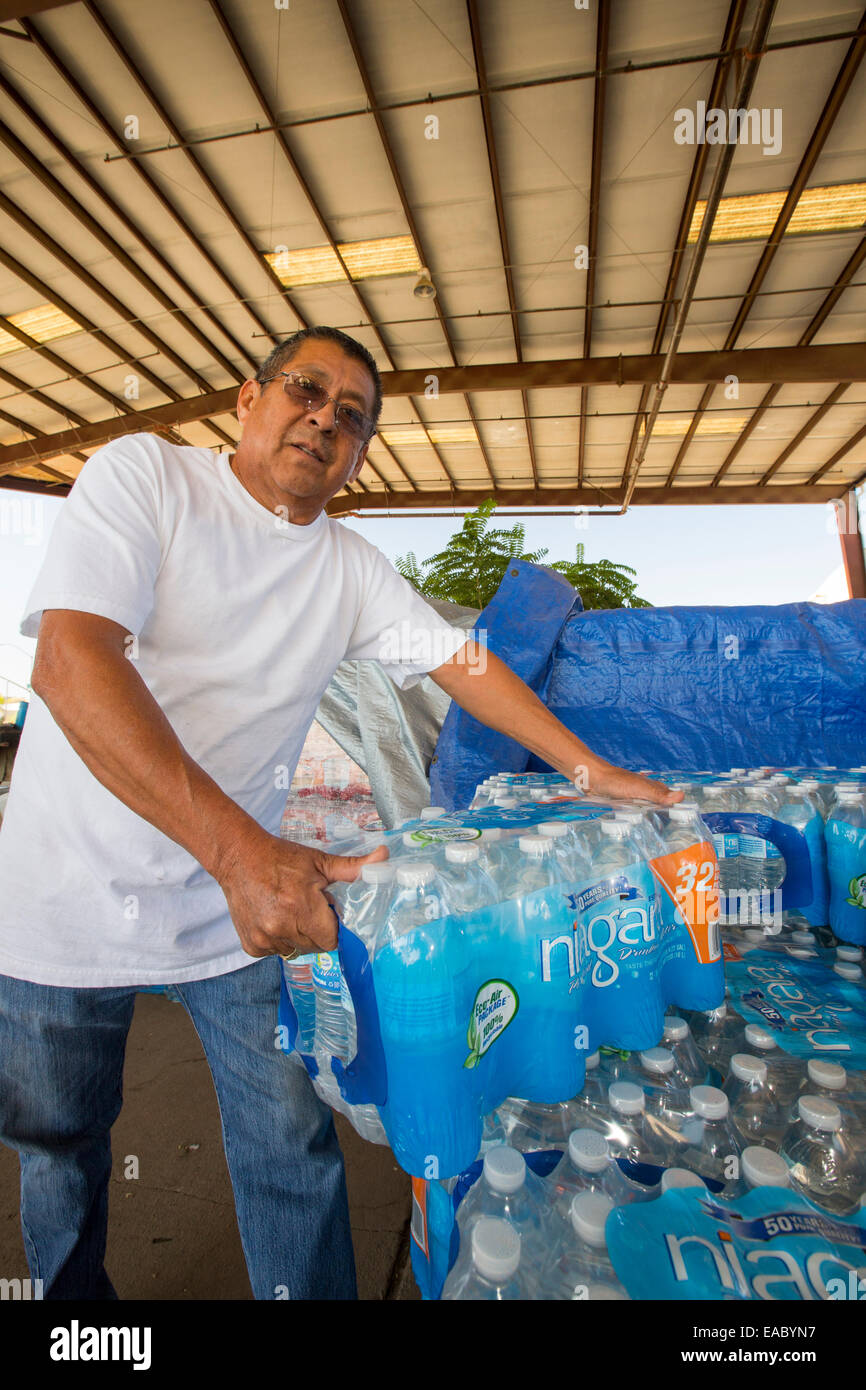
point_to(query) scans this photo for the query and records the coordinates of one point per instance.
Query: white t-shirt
(240, 618)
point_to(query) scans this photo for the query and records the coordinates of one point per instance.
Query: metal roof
(528, 376)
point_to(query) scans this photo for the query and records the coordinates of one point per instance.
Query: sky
(693, 556)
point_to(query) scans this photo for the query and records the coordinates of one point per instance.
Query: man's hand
(276, 893)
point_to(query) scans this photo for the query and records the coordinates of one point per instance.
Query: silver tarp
(390, 733)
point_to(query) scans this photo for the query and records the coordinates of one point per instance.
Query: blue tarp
(669, 688)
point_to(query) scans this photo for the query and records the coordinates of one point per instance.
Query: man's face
(293, 457)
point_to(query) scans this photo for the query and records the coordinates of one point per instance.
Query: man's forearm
(116, 727)
(494, 695)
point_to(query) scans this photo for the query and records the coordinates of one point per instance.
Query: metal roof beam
(795, 364)
(588, 496)
(98, 117)
(37, 168)
(699, 164)
(832, 106)
(855, 260)
(499, 204)
(601, 41)
(838, 456)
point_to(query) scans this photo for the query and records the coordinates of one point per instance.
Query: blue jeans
(61, 1068)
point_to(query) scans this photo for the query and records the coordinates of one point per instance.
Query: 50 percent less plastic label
(496, 1004)
(691, 880)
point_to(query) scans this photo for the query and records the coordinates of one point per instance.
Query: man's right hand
(277, 893)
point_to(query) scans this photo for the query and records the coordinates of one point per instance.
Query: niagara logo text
(21, 1290)
(76, 1343)
(633, 927)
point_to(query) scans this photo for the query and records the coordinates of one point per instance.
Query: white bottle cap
(415, 875)
(709, 1102)
(535, 845)
(738, 771)
(658, 1060)
(851, 797)
(716, 1014)
(748, 1068)
(589, 1212)
(504, 1168)
(490, 833)
(495, 1249)
(852, 954)
(809, 784)
(803, 938)
(554, 829)
(629, 817)
(459, 852)
(614, 829)
(588, 1150)
(606, 1293)
(764, 1167)
(820, 1114)
(381, 872)
(626, 1098)
(683, 810)
(409, 841)
(676, 1029)
(826, 1073)
(756, 1036)
(848, 970)
(506, 802)
(679, 1177)
(431, 812)
(593, 1060)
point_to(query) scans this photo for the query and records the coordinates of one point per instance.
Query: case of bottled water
(474, 969)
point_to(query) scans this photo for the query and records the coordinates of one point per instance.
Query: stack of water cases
(790, 843)
(493, 952)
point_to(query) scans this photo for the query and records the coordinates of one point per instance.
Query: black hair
(286, 350)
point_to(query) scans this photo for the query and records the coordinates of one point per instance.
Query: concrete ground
(172, 1233)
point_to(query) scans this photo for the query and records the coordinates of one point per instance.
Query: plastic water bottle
(573, 864)
(631, 1133)
(495, 854)
(676, 1178)
(532, 1126)
(845, 834)
(331, 1022)
(587, 1165)
(783, 1070)
(713, 1145)
(507, 1189)
(535, 867)
(716, 1033)
(581, 1262)
(491, 1271)
(299, 981)
(471, 889)
(756, 1111)
(590, 1104)
(667, 1099)
(823, 1165)
(763, 1167)
(689, 1067)
(802, 811)
(763, 866)
(719, 797)
(830, 1080)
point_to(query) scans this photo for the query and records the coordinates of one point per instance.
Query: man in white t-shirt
(190, 612)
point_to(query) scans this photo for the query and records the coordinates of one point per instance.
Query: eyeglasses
(303, 390)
